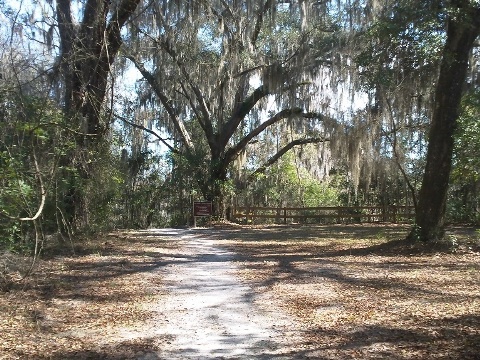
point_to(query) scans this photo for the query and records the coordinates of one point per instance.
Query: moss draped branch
(282, 151)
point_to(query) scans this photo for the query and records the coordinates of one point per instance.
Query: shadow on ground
(391, 300)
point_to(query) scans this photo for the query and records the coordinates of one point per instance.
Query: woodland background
(117, 114)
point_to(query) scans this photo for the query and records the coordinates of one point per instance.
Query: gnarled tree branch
(282, 152)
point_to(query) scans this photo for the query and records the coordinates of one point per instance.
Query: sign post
(200, 209)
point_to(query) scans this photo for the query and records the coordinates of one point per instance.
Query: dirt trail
(210, 314)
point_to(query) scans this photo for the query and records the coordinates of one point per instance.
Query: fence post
(285, 215)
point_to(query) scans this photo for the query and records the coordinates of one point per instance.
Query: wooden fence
(324, 214)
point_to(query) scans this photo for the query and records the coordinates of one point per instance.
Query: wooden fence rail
(324, 214)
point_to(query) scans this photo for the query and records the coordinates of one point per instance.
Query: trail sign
(202, 208)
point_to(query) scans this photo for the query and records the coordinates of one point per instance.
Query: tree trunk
(87, 53)
(462, 31)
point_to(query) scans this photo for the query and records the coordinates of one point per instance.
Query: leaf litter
(352, 294)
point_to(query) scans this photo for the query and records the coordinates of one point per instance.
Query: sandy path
(210, 314)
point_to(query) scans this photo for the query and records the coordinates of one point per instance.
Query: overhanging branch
(166, 102)
(282, 152)
(240, 111)
(138, 126)
(235, 150)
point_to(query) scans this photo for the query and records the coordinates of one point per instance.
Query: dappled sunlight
(362, 296)
(340, 292)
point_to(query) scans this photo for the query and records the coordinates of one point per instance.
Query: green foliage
(464, 193)
(14, 190)
(182, 185)
(415, 235)
(10, 236)
(400, 43)
(103, 191)
(319, 193)
(466, 163)
(32, 140)
(286, 183)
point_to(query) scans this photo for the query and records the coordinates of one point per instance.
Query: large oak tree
(213, 68)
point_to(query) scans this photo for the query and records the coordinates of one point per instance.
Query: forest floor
(234, 292)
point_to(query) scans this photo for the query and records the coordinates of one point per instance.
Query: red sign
(202, 208)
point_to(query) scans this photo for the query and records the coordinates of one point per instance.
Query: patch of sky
(209, 40)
